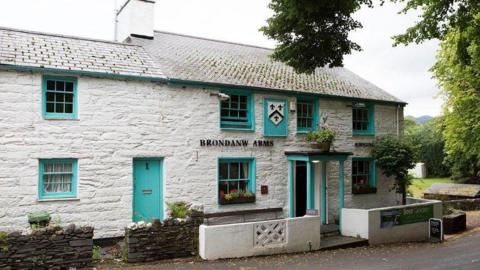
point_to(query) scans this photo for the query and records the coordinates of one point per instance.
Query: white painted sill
(58, 199)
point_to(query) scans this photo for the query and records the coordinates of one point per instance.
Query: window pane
(233, 186)
(223, 188)
(68, 108)
(69, 97)
(59, 108)
(59, 86)
(223, 174)
(69, 87)
(50, 96)
(243, 185)
(59, 98)
(50, 85)
(50, 107)
(234, 171)
(244, 170)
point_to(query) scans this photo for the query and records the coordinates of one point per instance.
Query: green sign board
(406, 215)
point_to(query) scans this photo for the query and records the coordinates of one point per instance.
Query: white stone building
(103, 133)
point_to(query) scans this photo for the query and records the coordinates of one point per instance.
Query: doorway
(300, 188)
(147, 190)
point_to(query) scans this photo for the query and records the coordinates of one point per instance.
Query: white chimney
(135, 18)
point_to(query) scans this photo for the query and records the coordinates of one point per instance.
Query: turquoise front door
(147, 190)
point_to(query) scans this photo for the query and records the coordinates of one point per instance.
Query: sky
(402, 71)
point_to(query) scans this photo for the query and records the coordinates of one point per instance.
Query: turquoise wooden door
(147, 190)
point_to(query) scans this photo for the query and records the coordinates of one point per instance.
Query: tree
(312, 33)
(395, 156)
(458, 71)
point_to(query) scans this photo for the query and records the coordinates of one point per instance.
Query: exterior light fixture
(221, 96)
(315, 161)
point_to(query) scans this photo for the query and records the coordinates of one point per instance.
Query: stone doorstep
(338, 242)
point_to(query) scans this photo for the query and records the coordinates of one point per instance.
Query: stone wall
(47, 248)
(171, 238)
(465, 204)
(120, 120)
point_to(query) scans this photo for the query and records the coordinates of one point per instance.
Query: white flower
(132, 226)
(141, 224)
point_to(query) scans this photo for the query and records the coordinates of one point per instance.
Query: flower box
(363, 190)
(250, 199)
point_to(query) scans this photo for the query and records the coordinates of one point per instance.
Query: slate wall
(157, 241)
(48, 248)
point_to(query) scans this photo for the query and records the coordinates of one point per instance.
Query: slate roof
(205, 60)
(40, 50)
(464, 190)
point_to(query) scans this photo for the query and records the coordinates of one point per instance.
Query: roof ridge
(65, 36)
(215, 40)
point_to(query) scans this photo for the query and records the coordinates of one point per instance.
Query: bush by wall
(47, 248)
(173, 238)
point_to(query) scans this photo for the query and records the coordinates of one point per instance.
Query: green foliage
(428, 144)
(312, 33)
(3, 242)
(437, 18)
(96, 254)
(395, 156)
(458, 72)
(238, 194)
(326, 135)
(179, 209)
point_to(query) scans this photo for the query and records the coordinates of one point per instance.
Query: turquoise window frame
(251, 185)
(50, 115)
(249, 125)
(315, 116)
(57, 195)
(371, 119)
(372, 176)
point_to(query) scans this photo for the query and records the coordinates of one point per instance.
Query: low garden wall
(259, 238)
(403, 223)
(173, 238)
(465, 204)
(47, 248)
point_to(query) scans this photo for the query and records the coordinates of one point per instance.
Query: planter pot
(455, 223)
(364, 190)
(238, 200)
(323, 147)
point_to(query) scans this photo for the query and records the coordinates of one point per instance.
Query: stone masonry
(164, 240)
(120, 120)
(48, 248)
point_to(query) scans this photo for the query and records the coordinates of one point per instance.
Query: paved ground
(459, 252)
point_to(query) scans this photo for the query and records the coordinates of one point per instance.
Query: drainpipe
(398, 120)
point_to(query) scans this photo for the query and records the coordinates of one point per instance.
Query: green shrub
(96, 254)
(179, 209)
(325, 135)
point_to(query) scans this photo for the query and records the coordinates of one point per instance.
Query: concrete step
(328, 230)
(337, 242)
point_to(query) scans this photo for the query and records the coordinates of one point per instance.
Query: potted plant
(237, 196)
(323, 137)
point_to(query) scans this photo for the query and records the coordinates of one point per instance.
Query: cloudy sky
(403, 71)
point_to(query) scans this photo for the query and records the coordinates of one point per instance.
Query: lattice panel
(270, 233)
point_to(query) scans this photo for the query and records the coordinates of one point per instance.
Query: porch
(315, 174)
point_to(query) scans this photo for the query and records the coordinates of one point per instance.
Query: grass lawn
(418, 186)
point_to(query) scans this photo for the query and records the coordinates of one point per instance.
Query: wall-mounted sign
(312, 212)
(435, 230)
(275, 117)
(407, 215)
(264, 189)
(235, 143)
(363, 144)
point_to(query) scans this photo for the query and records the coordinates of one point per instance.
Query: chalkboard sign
(435, 230)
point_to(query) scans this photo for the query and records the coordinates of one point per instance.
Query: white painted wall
(237, 240)
(366, 224)
(120, 120)
(137, 17)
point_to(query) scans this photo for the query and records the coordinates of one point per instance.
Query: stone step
(329, 234)
(337, 242)
(328, 230)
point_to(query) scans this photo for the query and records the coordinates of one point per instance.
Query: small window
(236, 177)
(58, 178)
(307, 112)
(59, 97)
(363, 118)
(237, 112)
(363, 176)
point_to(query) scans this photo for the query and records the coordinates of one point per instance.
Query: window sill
(241, 200)
(365, 190)
(57, 199)
(60, 119)
(363, 134)
(238, 129)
